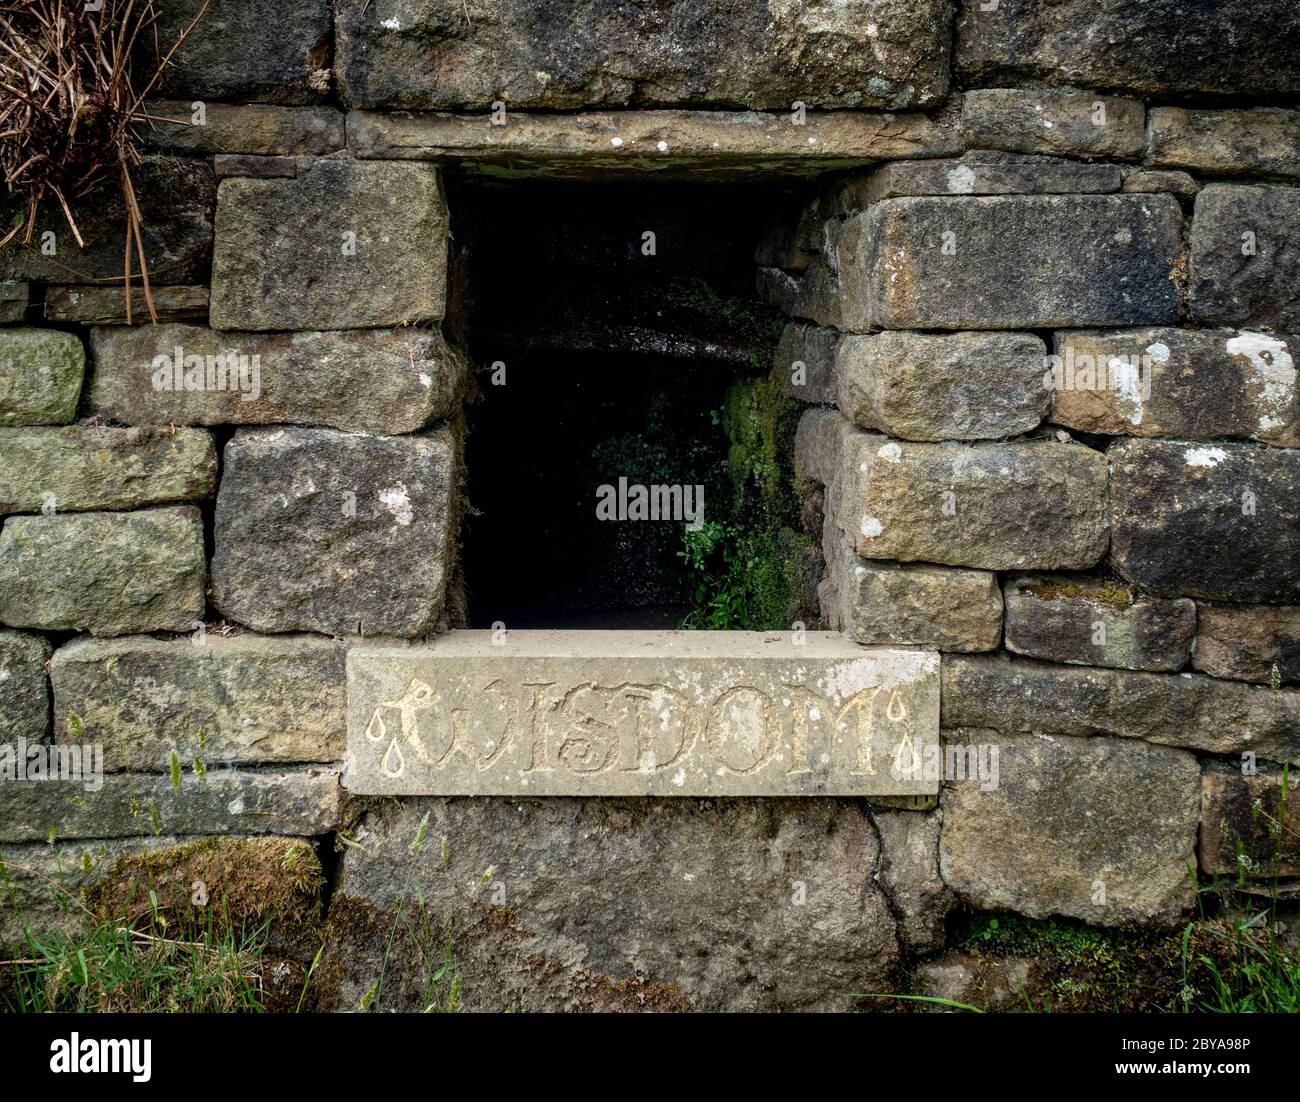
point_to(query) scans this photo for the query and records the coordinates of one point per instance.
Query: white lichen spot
(397, 500)
(1272, 370)
(1128, 386)
(617, 143)
(236, 806)
(393, 24)
(1204, 457)
(426, 381)
(890, 453)
(961, 180)
(679, 778)
(871, 527)
(662, 147)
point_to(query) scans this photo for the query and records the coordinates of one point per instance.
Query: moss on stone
(245, 882)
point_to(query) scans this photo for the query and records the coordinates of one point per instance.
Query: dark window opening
(620, 318)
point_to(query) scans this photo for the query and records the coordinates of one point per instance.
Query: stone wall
(1042, 303)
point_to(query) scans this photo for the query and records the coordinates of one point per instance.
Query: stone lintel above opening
(598, 144)
(642, 713)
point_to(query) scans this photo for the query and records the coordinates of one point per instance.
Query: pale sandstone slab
(627, 713)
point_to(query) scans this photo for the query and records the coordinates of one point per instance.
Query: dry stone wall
(1043, 303)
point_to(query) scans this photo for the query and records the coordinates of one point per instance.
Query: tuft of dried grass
(68, 102)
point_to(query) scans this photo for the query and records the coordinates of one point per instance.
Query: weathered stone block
(303, 802)
(106, 573)
(81, 467)
(804, 362)
(1091, 622)
(40, 376)
(684, 901)
(963, 386)
(883, 603)
(24, 688)
(1025, 120)
(564, 713)
(1097, 829)
(40, 881)
(1220, 521)
(1226, 143)
(1036, 505)
(248, 164)
(1148, 182)
(946, 263)
(817, 442)
(1197, 384)
(1246, 643)
(343, 245)
(1199, 713)
(334, 532)
(909, 865)
(1160, 47)
(694, 144)
(869, 53)
(366, 380)
(256, 128)
(218, 700)
(1244, 256)
(268, 51)
(13, 301)
(107, 305)
(1247, 828)
(813, 294)
(177, 197)
(984, 172)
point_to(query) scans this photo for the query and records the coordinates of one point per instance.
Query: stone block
(177, 197)
(1028, 120)
(1195, 384)
(24, 687)
(985, 172)
(241, 699)
(804, 362)
(909, 604)
(254, 128)
(365, 380)
(909, 866)
(1095, 622)
(40, 376)
(343, 245)
(1219, 521)
(567, 713)
(107, 305)
(1183, 709)
(1160, 48)
(106, 573)
(1246, 643)
(1098, 829)
(628, 904)
(1263, 141)
(334, 532)
(13, 301)
(1248, 828)
(302, 802)
(1012, 262)
(73, 469)
(671, 144)
(1145, 181)
(552, 55)
(1035, 504)
(960, 386)
(267, 51)
(1244, 258)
